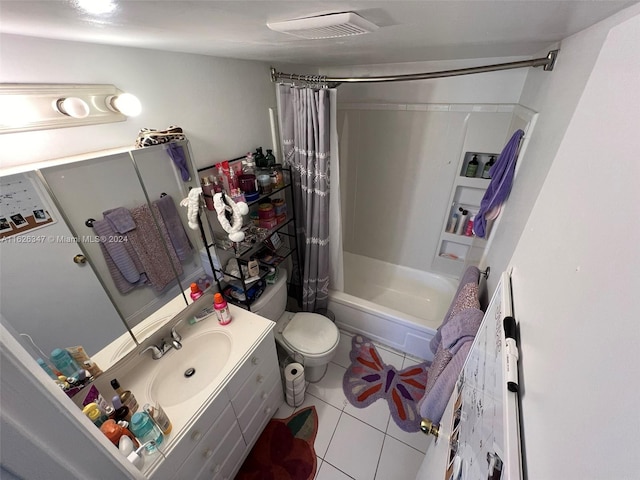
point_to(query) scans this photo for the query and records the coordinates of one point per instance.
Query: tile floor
(360, 444)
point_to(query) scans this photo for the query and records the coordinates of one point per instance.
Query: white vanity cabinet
(217, 443)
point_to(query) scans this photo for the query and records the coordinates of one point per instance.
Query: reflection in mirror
(121, 182)
(45, 295)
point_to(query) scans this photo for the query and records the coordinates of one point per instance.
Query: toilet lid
(311, 333)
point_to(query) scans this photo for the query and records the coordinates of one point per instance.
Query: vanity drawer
(213, 447)
(259, 379)
(185, 447)
(247, 406)
(264, 354)
(233, 462)
(257, 418)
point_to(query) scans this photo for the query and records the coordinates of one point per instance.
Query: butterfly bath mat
(368, 379)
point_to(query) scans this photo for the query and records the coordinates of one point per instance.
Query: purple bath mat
(368, 379)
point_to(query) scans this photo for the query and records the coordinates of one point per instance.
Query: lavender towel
(122, 262)
(148, 244)
(500, 186)
(120, 219)
(179, 239)
(457, 338)
(466, 297)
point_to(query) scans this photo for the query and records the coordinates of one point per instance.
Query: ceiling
(409, 30)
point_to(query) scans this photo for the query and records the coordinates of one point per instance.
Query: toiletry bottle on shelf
(453, 221)
(82, 358)
(64, 362)
(487, 167)
(462, 221)
(126, 397)
(222, 309)
(472, 167)
(145, 429)
(261, 160)
(114, 431)
(469, 228)
(253, 268)
(271, 159)
(249, 165)
(207, 192)
(196, 293)
(213, 180)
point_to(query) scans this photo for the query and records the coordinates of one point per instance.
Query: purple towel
(457, 338)
(175, 228)
(501, 180)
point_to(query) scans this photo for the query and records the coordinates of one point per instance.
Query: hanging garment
(152, 247)
(179, 239)
(499, 188)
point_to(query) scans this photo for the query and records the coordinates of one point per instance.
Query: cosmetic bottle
(253, 268)
(260, 159)
(469, 228)
(113, 431)
(462, 221)
(271, 159)
(64, 362)
(207, 192)
(196, 293)
(158, 415)
(453, 221)
(472, 167)
(126, 397)
(222, 309)
(145, 429)
(82, 358)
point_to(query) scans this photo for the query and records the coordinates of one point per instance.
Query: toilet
(310, 335)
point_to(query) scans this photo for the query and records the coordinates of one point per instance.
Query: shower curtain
(307, 134)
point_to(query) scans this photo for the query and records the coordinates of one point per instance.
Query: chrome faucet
(158, 352)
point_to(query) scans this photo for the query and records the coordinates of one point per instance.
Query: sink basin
(183, 373)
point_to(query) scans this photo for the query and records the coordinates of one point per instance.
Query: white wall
(575, 281)
(222, 104)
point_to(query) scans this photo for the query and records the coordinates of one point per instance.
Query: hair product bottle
(472, 167)
(222, 309)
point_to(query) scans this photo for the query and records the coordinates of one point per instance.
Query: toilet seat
(311, 334)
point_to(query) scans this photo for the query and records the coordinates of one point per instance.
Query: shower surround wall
(398, 163)
(400, 144)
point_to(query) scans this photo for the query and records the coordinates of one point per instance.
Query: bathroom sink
(183, 373)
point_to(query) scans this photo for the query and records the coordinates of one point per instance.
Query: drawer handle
(195, 436)
(267, 410)
(215, 470)
(264, 396)
(208, 453)
(255, 361)
(259, 379)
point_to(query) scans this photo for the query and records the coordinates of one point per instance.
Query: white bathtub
(398, 306)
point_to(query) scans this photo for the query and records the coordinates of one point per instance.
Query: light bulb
(126, 103)
(73, 107)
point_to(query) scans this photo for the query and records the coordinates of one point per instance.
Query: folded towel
(152, 247)
(177, 155)
(175, 228)
(120, 219)
(499, 188)
(122, 261)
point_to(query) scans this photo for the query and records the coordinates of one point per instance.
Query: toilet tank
(273, 300)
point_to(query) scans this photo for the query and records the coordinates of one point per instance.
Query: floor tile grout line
(375, 474)
(345, 473)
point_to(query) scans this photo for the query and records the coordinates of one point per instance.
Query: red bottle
(196, 293)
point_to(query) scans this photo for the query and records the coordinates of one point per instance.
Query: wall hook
(89, 222)
(486, 273)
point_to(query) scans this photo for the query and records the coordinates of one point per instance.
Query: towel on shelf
(122, 261)
(499, 188)
(152, 247)
(457, 337)
(179, 239)
(466, 297)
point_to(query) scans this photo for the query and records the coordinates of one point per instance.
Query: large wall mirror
(61, 286)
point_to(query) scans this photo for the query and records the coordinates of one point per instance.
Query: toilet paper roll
(293, 372)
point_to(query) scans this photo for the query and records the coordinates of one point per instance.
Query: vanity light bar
(25, 107)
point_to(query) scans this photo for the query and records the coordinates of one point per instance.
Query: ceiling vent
(325, 26)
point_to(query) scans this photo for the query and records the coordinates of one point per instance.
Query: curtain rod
(547, 62)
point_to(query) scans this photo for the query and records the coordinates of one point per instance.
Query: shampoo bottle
(462, 221)
(222, 309)
(472, 167)
(64, 362)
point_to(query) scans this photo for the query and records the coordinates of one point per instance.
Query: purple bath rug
(368, 379)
